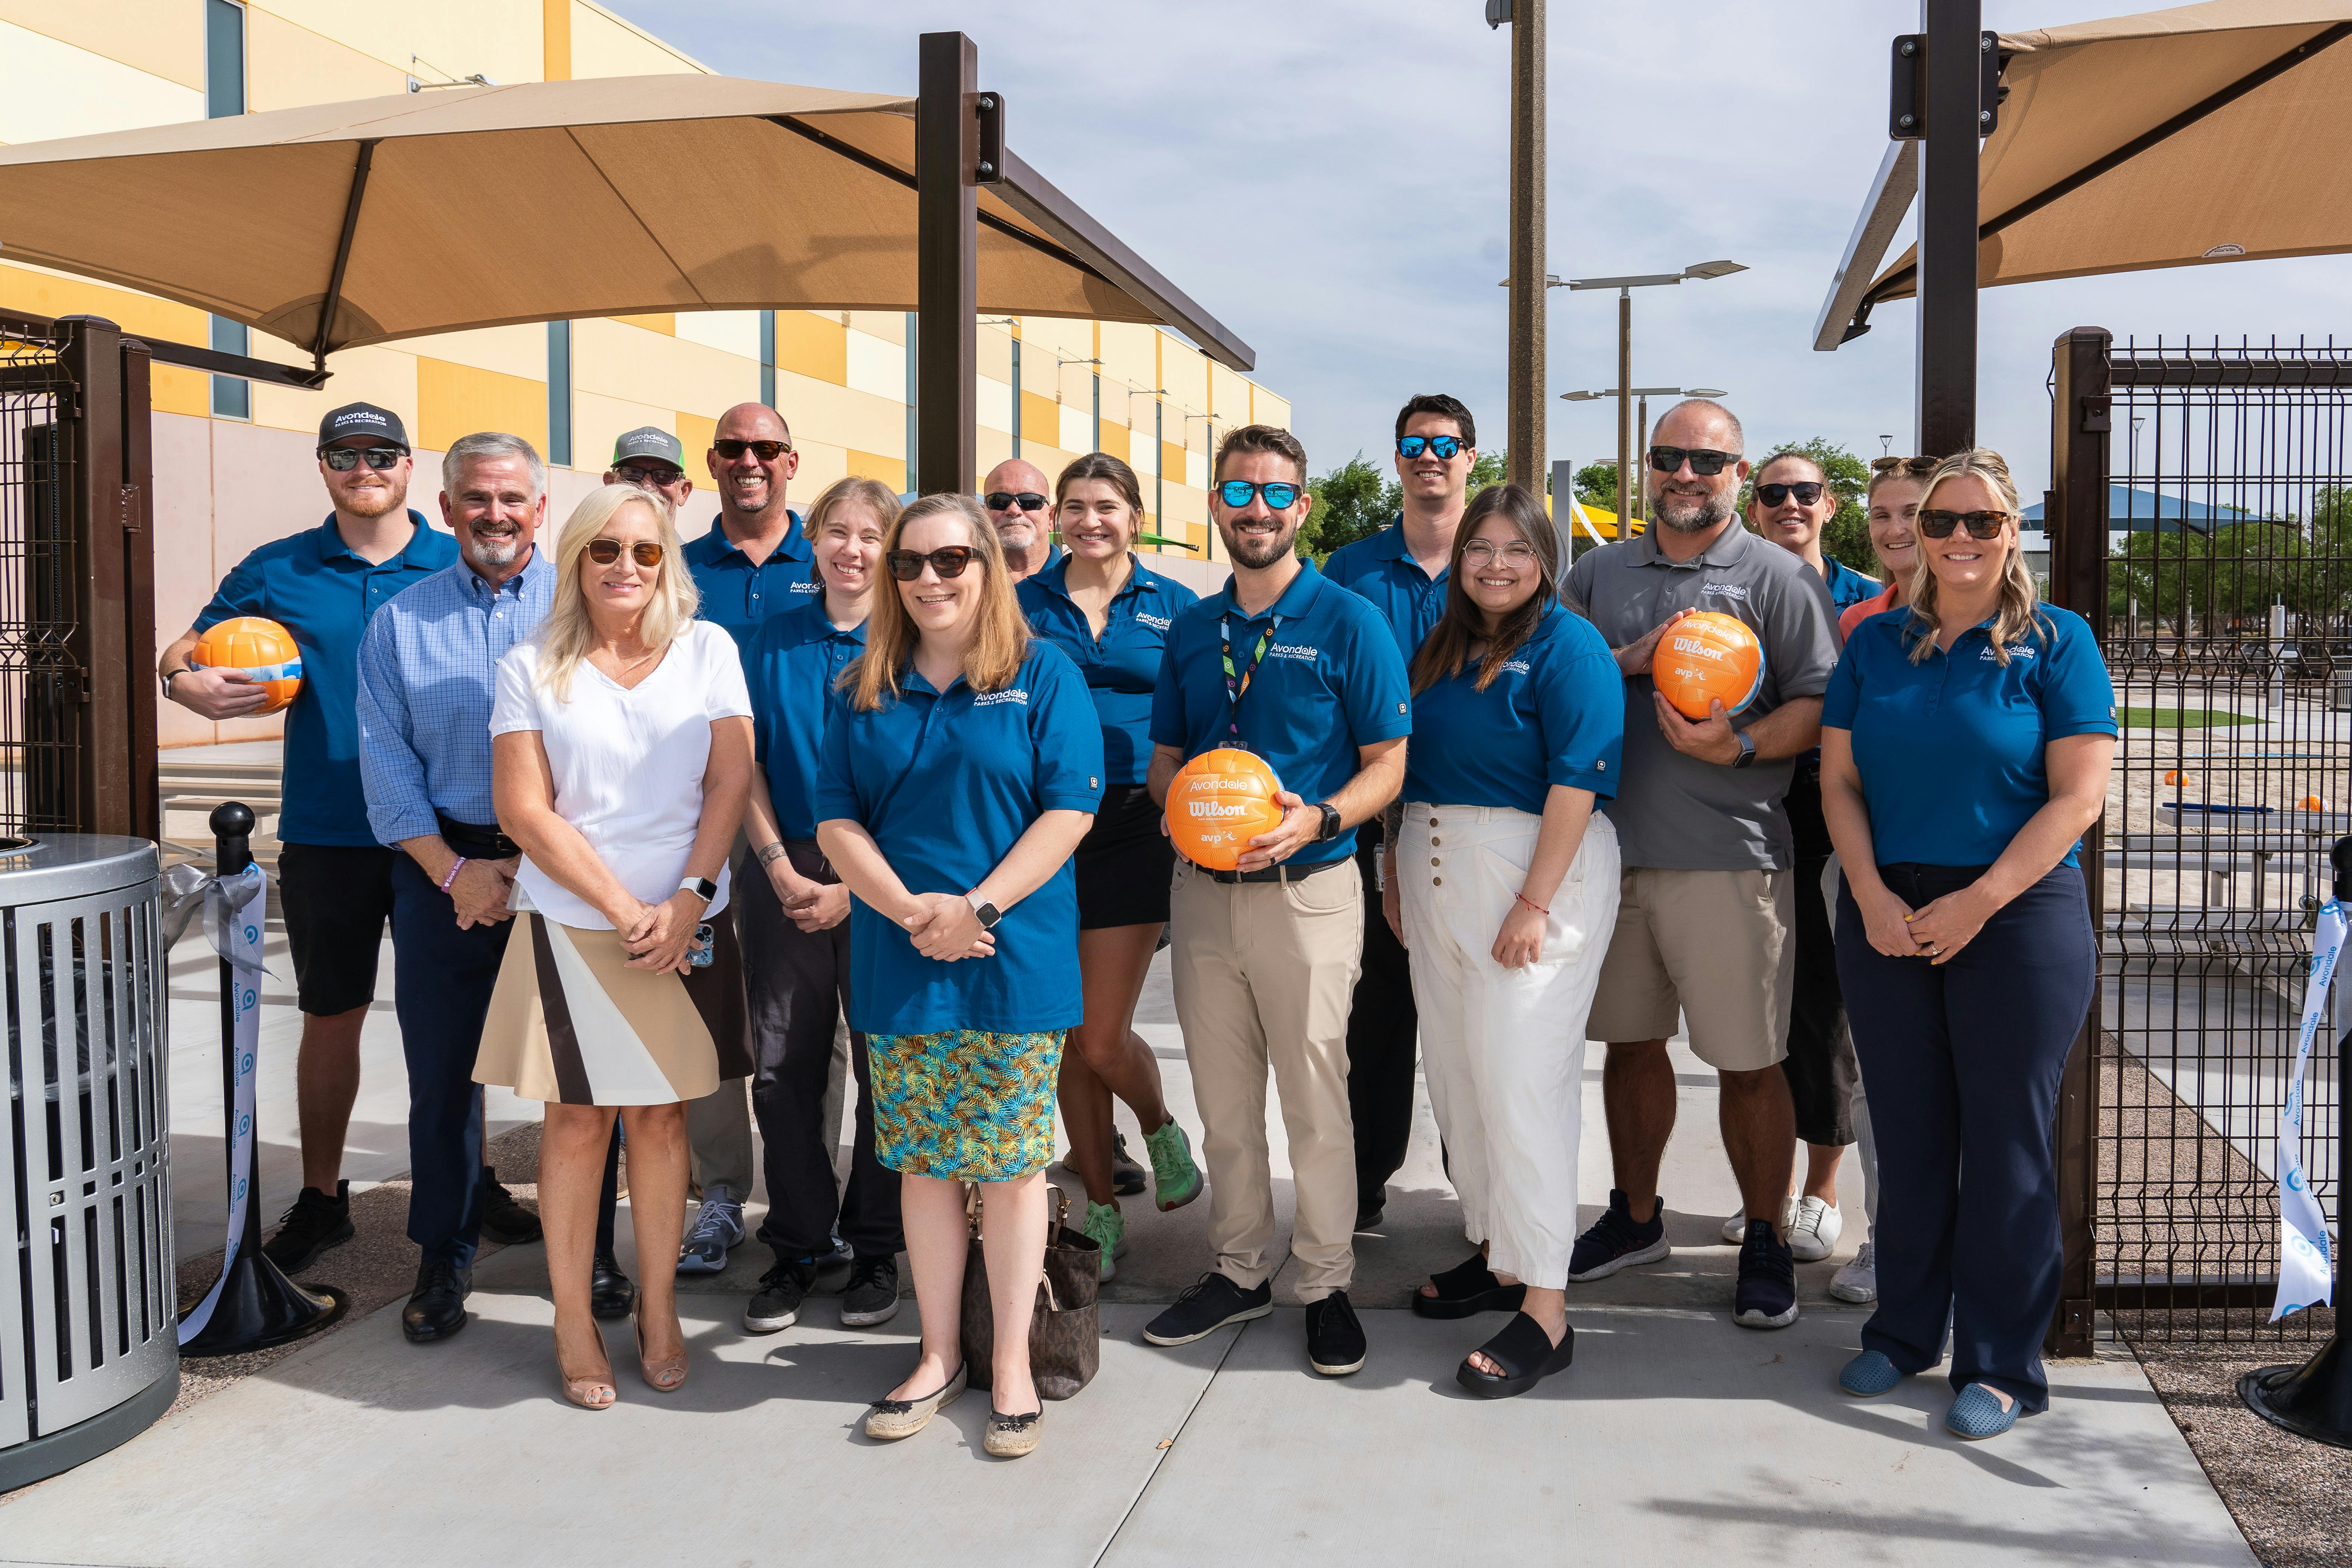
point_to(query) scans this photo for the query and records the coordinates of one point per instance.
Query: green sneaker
(1175, 1180)
(1108, 1228)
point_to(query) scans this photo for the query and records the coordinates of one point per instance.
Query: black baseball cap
(362, 419)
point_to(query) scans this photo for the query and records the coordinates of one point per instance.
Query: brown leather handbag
(1064, 1329)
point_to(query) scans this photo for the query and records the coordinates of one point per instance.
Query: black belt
(1263, 874)
(477, 843)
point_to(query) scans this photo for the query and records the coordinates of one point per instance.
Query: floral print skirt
(964, 1105)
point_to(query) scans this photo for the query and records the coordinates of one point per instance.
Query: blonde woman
(621, 753)
(1893, 501)
(961, 766)
(1964, 747)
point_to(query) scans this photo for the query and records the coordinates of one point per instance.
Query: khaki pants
(1264, 973)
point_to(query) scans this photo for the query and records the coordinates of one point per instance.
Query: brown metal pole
(947, 263)
(1524, 460)
(1948, 227)
(1641, 445)
(1624, 413)
(144, 807)
(95, 732)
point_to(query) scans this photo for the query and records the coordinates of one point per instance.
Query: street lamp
(1642, 425)
(1625, 286)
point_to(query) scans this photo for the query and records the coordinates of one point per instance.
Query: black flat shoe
(506, 1221)
(610, 1293)
(437, 1309)
(1525, 1353)
(1468, 1289)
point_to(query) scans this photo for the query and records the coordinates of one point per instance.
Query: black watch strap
(1330, 821)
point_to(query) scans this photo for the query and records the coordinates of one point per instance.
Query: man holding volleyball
(1707, 906)
(1286, 666)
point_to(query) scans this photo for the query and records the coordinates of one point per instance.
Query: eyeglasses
(1518, 552)
(1279, 497)
(1444, 448)
(1670, 459)
(1908, 465)
(948, 561)
(343, 460)
(1806, 492)
(604, 551)
(1008, 500)
(1981, 524)
(766, 451)
(661, 477)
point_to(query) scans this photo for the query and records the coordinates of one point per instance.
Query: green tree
(1354, 500)
(1596, 486)
(1846, 536)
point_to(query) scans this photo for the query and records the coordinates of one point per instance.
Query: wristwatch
(1330, 829)
(168, 676)
(988, 914)
(1746, 750)
(702, 887)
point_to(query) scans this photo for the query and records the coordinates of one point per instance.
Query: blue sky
(1329, 180)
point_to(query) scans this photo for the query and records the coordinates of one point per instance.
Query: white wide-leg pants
(1504, 1049)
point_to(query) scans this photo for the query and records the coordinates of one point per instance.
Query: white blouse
(627, 762)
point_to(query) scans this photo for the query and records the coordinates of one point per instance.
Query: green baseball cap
(649, 441)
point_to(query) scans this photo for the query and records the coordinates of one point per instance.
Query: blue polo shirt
(946, 784)
(1555, 715)
(1951, 749)
(315, 586)
(1122, 666)
(738, 596)
(790, 666)
(1331, 681)
(1383, 573)
(1849, 587)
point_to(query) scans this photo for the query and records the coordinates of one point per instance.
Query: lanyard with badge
(1238, 682)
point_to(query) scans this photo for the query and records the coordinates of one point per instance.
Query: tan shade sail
(2206, 133)
(481, 206)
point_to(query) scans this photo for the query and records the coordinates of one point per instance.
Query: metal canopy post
(1953, 35)
(1530, 284)
(1624, 413)
(947, 263)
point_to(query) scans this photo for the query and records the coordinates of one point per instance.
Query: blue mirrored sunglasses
(1237, 493)
(1445, 447)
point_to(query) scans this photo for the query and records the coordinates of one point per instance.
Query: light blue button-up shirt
(428, 669)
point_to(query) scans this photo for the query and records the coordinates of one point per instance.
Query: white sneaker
(1858, 1281)
(1735, 1229)
(1813, 1230)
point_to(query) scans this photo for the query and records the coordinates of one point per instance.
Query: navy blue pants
(1962, 1062)
(441, 980)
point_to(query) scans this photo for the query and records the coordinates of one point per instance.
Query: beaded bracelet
(1532, 904)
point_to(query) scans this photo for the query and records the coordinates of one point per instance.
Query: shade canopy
(345, 224)
(2205, 133)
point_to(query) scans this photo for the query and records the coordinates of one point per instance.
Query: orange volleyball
(2311, 802)
(262, 650)
(1708, 655)
(2172, 776)
(1217, 802)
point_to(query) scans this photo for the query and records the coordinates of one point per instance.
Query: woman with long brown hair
(961, 766)
(1507, 897)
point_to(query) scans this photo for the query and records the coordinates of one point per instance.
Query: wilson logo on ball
(1217, 802)
(1708, 656)
(258, 649)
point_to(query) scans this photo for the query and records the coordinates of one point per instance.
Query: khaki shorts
(1717, 947)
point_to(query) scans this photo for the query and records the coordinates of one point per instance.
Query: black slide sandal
(1522, 1345)
(1467, 1290)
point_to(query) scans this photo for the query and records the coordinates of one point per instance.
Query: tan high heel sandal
(667, 1375)
(584, 1392)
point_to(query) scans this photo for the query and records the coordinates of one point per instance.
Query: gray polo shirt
(1676, 812)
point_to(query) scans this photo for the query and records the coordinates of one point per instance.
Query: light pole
(1625, 286)
(1525, 367)
(1643, 426)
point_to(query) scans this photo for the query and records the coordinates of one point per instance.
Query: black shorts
(336, 898)
(1125, 863)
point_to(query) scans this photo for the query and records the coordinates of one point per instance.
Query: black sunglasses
(1279, 497)
(768, 451)
(1444, 448)
(1007, 500)
(644, 552)
(1981, 524)
(663, 475)
(1670, 459)
(1806, 492)
(948, 561)
(1908, 465)
(343, 460)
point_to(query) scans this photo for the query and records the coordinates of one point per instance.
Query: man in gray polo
(1707, 910)
(654, 460)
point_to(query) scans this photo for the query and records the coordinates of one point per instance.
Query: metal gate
(2200, 518)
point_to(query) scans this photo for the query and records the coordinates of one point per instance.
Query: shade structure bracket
(327, 308)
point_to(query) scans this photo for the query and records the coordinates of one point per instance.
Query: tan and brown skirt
(571, 1022)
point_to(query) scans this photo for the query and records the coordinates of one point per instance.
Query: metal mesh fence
(41, 681)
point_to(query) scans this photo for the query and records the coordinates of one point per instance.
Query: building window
(768, 358)
(232, 396)
(558, 392)
(1097, 437)
(914, 428)
(224, 58)
(1016, 398)
(1159, 468)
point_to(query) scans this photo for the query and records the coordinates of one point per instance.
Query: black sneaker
(1371, 1210)
(505, 1221)
(1127, 1178)
(777, 1305)
(1766, 1297)
(610, 1293)
(1207, 1306)
(1615, 1242)
(1335, 1340)
(314, 1223)
(872, 1294)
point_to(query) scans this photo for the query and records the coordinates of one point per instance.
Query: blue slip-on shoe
(1614, 1241)
(1868, 1375)
(1976, 1415)
(717, 1225)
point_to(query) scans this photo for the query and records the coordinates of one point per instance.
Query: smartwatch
(172, 675)
(702, 887)
(988, 914)
(1330, 829)
(1746, 750)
